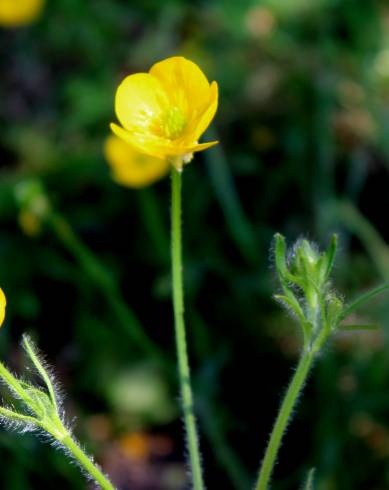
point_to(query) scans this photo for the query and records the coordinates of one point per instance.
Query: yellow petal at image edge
(3, 304)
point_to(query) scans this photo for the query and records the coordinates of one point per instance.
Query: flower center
(173, 122)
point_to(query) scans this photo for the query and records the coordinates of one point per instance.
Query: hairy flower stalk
(304, 274)
(40, 409)
(183, 362)
(163, 114)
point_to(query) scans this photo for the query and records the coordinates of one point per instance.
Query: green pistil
(173, 123)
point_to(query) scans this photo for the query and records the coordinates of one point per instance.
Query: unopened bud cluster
(304, 273)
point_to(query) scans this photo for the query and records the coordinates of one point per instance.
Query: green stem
(183, 363)
(14, 384)
(283, 417)
(35, 359)
(87, 463)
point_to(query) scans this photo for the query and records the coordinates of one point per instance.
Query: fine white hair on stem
(44, 370)
(41, 411)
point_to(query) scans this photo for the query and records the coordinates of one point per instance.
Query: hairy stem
(15, 386)
(42, 372)
(87, 463)
(183, 362)
(295, 387)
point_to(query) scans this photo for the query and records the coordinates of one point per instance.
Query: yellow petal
(3, 304)
(199, 125)
(163, 150)
(131, 168)
(202, 146)
(146, 143)
(185, 84)
(140, 101)
(185, 151)
(164, 112)
(14, 13)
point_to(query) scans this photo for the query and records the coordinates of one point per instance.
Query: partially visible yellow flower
(131, 168)
(14, 13)
(3, 304)
(164, 112)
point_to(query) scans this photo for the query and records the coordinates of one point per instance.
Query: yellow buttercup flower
(164, 112)
(3, 304)
(131, 168)
(14, 13)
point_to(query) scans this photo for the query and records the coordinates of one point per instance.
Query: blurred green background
(304, 129)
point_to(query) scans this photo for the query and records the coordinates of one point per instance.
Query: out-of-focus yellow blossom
(131, 168)
(3, 304)
(14, 13)
(164, 112)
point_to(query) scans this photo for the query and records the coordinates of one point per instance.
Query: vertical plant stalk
(292, 394)
(181, 345)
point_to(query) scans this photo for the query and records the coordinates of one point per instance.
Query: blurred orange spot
(141, 446)
(135, 445)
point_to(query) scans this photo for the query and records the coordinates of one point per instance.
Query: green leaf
(11, 415)
(292, 303)
(363, 299)
(330, 255)
(280, 255)
(280, 258)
